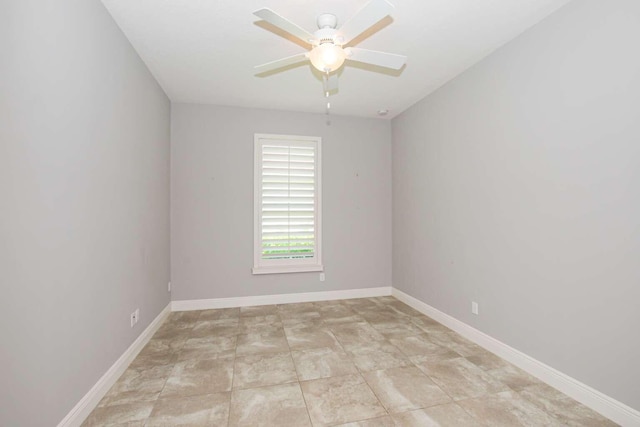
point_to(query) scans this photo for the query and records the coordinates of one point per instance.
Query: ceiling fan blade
(284, 24)
(274, 65)
(366, 17)
(373, 57)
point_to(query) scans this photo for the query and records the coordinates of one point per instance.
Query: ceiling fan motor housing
(325, 35)
(327, 20)
(327, 23)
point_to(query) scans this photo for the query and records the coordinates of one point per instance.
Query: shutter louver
(288, 200)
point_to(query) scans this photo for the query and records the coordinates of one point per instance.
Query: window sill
(287, 269)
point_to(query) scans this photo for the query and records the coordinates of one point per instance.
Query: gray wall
(84, 214)
(517, 186)
(212, 202)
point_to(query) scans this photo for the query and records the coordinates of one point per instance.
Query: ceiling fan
(327, 52)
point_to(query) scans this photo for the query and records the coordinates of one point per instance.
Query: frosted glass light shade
(327, 57)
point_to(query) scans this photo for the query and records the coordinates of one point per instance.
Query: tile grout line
(295, 367)
(233, 370)
(453, 401)
(411, 363)
(365, 380)
(155, 402)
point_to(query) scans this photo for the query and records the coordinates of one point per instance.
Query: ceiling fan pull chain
(325, 80)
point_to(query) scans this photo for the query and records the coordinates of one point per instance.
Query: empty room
(320, 213)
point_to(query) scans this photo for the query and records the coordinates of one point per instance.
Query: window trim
(261, 266)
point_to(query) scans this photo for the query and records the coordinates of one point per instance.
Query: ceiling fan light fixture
(327, 57)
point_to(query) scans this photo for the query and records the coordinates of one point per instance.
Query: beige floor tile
(404, 389)
(513, 377)
(436, 416)
(376, 355)
(396, 328)
(220, 313)
(158, 352)
(296, 318)
(262, 343)
(424, 321)
(419, 345)
(486, 360)
(129, 414)
(461, 379)
(296, 308)
(260, 324)
(138, 385)
(402, 308)
(560, 406)
(259, 310)
(322, 362)
(279, 405)
(385, 300)
(212, 347)
(356, 318)
(174, 331)
(430, 326)
(269, 319)
(179, 317)
(154, 360)
(355, 333)
(264, 369)
(456, 342)
(320, 304)
(310, 337)
(215, 328)
(204, 410)
(310, 322)
(380, 315)
(183, 320)
(193, 377)
(340, 400)
(157, 345)
(507, 409)
(385, 421)
(354, 304)
(435, 358)
(337, 312)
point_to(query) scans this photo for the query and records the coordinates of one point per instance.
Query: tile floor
(361, 362)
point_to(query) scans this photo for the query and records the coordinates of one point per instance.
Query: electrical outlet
(135, 316)
(474, 307)
(322, 277)
(169, 287)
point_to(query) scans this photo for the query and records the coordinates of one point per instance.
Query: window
(287, 189)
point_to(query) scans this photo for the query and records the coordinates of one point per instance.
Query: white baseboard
(599, 402)
(207, 304)
(90, 400)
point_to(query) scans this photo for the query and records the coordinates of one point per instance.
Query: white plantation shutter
(287, 204)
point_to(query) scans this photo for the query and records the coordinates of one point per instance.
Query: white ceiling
(204, 51)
